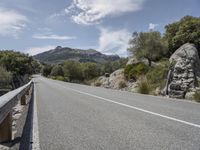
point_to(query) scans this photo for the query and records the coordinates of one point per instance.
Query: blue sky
(34, 26)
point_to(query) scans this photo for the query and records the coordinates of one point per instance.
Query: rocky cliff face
(184, 72)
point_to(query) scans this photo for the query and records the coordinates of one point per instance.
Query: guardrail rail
(7, 102)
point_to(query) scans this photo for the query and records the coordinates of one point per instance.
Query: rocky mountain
(60, 54)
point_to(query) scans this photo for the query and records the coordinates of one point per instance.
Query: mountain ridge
(60, 54)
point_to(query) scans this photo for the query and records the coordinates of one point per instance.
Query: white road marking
(136, 108)
(35, 132)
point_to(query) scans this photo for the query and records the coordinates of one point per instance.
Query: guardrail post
(26, 97)
(6, 129)
(23, 99)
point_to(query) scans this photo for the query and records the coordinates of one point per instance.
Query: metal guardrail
(7, 102)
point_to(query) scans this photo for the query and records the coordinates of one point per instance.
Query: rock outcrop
(184, 72)
(113, 81)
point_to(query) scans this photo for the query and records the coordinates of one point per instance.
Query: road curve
(79, 117)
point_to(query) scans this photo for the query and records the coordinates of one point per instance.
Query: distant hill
(60, 54)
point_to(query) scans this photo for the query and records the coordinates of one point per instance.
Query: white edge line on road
(136, 108)
(35, 132)
(156, 97)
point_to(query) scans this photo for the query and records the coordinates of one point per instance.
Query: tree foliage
(46, 70)
(5, 78)
(73, 70)
(147, 45)
(111, 66)
(187, 30)
(57, 71)
(90, 70)
(17, 67)
(18, 63)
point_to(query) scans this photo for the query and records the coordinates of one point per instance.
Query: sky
(35, 26)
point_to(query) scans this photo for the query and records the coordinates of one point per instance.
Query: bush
(57, 71)
(144, 87)
(122, 84)
(5, 78)
(46, 70)
(90, 70)
(197, 96)
(73, 70)
(60, 78)
(135, 71)
(157, 75)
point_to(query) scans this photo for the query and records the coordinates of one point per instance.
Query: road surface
(79, 117)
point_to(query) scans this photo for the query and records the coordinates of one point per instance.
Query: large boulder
(184, 71)
(113, 81)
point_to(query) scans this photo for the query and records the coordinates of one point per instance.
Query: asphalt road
(79, 117)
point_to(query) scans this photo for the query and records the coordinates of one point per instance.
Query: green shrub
(135, 71)
(197, 96)
(122, 84)
(5, 78)
(60, 78)
(127, 70)
(57, 71)
(144, 87)
(157, 75)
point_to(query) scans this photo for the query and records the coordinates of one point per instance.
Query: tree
(147, 45)
(20, 65)
(36, 66)
(187, 30)
(5, 78)
(90, 70)
(73, 70)
(16, 62)
(57, 71)
(46, 70)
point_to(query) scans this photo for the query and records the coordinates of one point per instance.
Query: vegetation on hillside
(15, 68)
(61, 54)
(5, 78)
(187, 30)
(149, 45)
(81, 72)
(134, 71)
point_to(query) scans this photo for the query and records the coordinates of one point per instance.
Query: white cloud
(57, 15)
(53, 37)
(152, 26)
(36, 50)
(114, 42)
(90, 12)
(11, 22)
